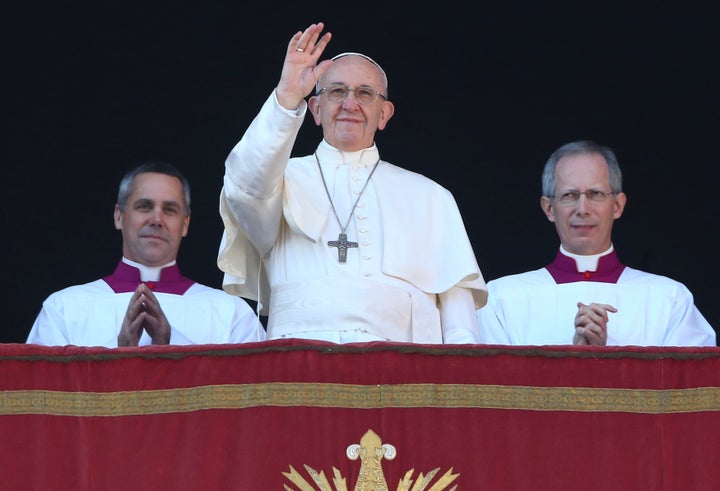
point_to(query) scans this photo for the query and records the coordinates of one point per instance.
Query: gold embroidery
(371, 451)
(239, 396)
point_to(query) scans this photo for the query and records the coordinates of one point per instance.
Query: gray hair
(384, 88)
(549, 182)
(160, 167)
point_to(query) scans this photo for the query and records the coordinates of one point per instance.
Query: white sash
(344, 303)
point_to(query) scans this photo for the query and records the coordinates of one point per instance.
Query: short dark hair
(160, 167)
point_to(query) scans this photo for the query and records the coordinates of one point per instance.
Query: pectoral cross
(342, 244)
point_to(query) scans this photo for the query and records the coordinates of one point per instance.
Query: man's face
(584, 227)
(349, 125)
(154, 220)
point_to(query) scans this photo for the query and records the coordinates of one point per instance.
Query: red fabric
(526, 417)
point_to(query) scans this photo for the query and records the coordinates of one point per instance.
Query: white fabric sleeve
(458, 316)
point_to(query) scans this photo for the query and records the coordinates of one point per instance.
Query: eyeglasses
(363, 94)
(572, 197)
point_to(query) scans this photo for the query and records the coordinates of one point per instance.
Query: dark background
(482, 95)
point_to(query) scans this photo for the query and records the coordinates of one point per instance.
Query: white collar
(334, 156)
(148, 273)
(586, 263)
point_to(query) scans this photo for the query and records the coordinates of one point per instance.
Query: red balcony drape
(291, 413)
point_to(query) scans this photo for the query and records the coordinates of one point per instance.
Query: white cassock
(531, 308)
(92, 314)
(413, 276)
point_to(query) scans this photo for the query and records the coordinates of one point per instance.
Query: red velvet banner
(299, 415)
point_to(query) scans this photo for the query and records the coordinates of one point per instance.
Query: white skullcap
(348, 53)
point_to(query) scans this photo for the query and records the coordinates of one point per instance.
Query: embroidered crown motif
(371, 451)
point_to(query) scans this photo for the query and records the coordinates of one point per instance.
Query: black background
(483, 95)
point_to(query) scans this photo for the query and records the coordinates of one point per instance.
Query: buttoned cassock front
(413, 277)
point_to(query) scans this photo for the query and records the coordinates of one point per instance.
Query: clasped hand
(144, 313)
(591, 324)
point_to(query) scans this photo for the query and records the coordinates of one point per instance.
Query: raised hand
(300, 71)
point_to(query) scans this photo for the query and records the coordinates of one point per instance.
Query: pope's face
(349, 125)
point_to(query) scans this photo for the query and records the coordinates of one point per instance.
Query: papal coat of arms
(371, 451)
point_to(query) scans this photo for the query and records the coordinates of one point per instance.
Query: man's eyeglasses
(572, 197)
(363, 94)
